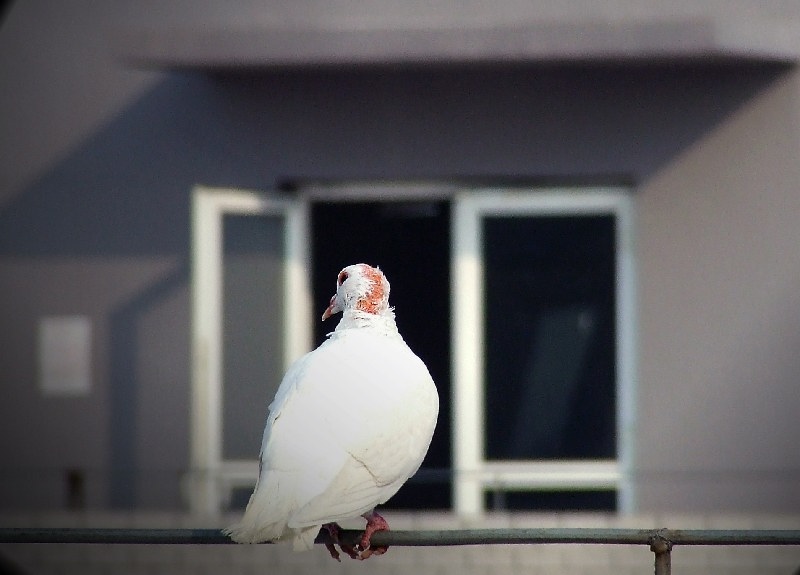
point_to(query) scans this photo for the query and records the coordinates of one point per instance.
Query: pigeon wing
(365, 409)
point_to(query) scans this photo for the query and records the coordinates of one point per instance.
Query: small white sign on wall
(65, 355)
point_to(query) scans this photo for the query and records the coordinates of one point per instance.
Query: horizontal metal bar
(126, 536)
(587, 536)
(731, 537)
(420, 538)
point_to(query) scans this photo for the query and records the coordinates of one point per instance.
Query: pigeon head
(359, 287)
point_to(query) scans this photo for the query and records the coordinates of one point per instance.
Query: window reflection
(550, 345)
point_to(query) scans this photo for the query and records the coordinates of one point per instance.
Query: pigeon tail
(303, 539)
(265, 518)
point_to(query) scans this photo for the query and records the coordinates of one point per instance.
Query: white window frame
(473, 474)
(211, 478)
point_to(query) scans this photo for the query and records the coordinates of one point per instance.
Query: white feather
(350, 423)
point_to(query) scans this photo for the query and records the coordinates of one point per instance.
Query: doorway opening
(410, 242)
(520, 302)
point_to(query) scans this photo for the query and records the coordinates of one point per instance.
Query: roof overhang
(270, 46)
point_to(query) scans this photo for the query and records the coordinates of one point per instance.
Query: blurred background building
(588, 213)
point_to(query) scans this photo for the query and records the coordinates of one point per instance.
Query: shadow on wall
(126, 190)
(121, 198)
(125, 193)
(124, 408)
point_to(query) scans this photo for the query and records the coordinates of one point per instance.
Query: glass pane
(551, 500)
(252, 329)
(550, 337)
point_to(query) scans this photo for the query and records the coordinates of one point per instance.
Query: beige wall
(96, 171)
(59, 83)
(719, 264)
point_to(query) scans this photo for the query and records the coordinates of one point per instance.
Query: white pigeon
(350, 423)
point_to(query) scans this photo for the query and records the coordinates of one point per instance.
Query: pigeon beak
(331, 309)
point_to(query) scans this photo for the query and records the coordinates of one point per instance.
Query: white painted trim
(211, 477)
(472, 473)
(467, 356)
(206, 349)
(627, 353)
(299, 336)
(552, 475)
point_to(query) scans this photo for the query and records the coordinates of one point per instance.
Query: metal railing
(660, 541)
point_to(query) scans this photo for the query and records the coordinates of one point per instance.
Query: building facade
(588, 218)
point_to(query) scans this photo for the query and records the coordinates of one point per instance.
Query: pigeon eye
(342, 277)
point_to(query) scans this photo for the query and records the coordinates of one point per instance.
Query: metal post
(662, 548)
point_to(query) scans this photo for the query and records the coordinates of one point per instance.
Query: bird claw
(370, 551)
(333, 529)
(332, 550)
(374, 523)
(361, 550)
(348, 550)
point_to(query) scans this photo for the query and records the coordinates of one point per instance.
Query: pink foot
(333, 529)
(374, 523)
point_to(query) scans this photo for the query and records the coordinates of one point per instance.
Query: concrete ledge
(271, 46)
